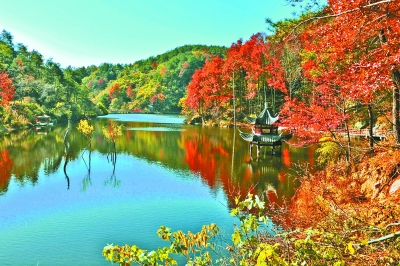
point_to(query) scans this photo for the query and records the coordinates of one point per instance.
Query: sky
(90, 32)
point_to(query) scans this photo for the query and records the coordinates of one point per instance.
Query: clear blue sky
(86, 32)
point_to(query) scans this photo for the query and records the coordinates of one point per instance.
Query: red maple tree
(6, 88)
(206, 90)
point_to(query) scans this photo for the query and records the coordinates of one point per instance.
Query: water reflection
(6, 165)
(66, 149)
(24, 153)
(216, 155)
(56, 191)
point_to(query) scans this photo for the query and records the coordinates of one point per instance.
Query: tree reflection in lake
(213, 153)
(25, 152)
(6, 165)
(66, 151)
(167, 173)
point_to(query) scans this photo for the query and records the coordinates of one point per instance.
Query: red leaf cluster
(158, 96)
(114, 90)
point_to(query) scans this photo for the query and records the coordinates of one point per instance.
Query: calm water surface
(60, 203)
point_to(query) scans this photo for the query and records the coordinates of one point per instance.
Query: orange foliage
(114, 90)
(129, 91)
(366, 193)
(163, 71)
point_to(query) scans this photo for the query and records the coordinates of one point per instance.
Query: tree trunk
(396, 104)
(371, 133)
(348, 149)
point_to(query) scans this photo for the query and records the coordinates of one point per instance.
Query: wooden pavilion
(264, 131)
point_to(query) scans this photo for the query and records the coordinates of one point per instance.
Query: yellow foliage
(85, 128)
(59, 104)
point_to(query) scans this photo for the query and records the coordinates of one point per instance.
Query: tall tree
(7, 38)
(6, 55)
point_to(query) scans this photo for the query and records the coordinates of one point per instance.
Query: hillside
(34, 86)
(156, 84)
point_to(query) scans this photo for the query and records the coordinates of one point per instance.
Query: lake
(60, 203)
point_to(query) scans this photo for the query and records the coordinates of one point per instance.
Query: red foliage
(153, 98)
(259, 60)
(310, 121)
(185, 65)
(161, 96)
(114, 91)
(6, 89)
(348, 58)
(203, 156)
(158, 96)
(357, 50)
(211, 86)
(207, 87)
(137, 110)
(129, 91)
(154, 64)
(163, 71)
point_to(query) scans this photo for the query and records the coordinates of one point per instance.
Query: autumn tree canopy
(325, 70)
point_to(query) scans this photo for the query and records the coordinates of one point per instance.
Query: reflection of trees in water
(50, 165)
(66, 152)
(113, 179)
(214, 153)
(269, 175)
(30, 151)
(6, 165)
(33, 152)
(208, 153)
(86, 181)
(12, 138)
(65, 170)
(112, 133)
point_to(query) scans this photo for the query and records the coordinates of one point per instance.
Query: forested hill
(155, 84)
(146, 64)
(32, 85)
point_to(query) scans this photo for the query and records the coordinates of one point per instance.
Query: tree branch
(338, 14)
(383, 238)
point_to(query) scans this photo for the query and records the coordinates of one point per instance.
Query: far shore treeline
(32, 86)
